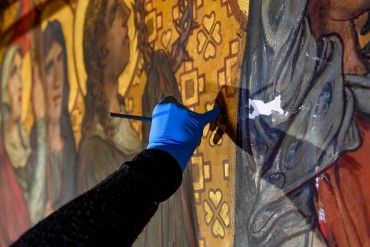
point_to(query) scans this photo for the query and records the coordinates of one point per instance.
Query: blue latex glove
(177, 130)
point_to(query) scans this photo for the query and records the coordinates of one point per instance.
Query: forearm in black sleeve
(115, 211)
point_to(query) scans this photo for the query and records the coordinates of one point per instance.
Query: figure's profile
(106, 142)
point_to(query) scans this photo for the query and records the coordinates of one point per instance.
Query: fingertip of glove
(213, 114)
(168, 99)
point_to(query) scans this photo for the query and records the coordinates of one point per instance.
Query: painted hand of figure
(227, 120)
(38, 95)
(177, 130)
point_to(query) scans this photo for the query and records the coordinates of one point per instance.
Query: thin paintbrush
(133, 117)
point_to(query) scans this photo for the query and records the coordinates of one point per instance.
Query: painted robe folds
(282, 152)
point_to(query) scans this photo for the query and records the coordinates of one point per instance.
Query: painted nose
(57, 77)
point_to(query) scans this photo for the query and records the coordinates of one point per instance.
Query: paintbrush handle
(133, 117)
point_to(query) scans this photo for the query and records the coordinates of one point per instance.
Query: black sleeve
(115, 211)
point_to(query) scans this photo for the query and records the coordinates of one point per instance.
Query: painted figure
(180, 208)
(282, 152)
(343, 190)
(106, 143)
(160, 68)
(61, 155)
(14, 217)
(28, 163)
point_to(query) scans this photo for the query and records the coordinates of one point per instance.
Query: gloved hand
(177, 130)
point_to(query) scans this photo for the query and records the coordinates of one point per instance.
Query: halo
(60, 11)
(128, 73)
(26, 74)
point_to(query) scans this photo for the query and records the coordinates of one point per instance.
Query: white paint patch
(258, 107)
(317, 182)
(314, 58)
(322, 215)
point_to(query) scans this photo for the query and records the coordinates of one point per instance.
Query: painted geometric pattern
(213, 47)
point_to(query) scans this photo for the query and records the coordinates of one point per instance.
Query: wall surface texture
(286, 162)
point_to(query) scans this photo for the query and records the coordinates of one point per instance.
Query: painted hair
(18, 155)
(95, 29)
(5, 74)
(53, 33)
(3, 6)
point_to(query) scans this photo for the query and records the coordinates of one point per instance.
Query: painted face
(54, 71)
(15, 87)
(116, 40)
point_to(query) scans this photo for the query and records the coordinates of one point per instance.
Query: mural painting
(284, 164)
(300, 114)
